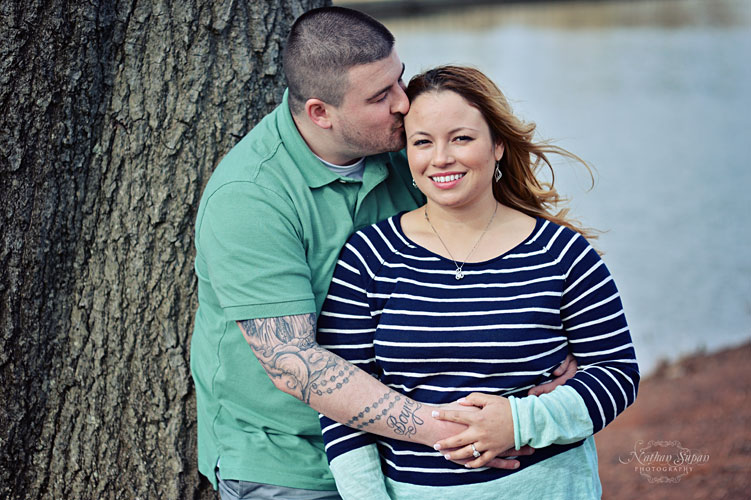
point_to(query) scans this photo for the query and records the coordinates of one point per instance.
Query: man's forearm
(297, 365)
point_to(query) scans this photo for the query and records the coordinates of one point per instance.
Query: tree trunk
(112, 117)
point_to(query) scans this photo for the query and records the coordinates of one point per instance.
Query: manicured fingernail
(467, 466)
(436, 446)
(516, 465)
(434, 414)
(461, 400)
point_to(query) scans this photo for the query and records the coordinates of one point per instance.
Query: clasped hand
(490, 426)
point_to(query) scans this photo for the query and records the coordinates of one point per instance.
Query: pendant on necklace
(459, 274)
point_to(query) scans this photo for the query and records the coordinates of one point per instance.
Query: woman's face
(450, 151)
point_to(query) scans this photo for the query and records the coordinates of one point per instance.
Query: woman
(479, 294)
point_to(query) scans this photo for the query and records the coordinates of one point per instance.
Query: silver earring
(497, 173)
(414, 184)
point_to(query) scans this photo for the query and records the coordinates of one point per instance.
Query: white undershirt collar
(353, 171)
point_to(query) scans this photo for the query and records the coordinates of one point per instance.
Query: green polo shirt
(269, 229)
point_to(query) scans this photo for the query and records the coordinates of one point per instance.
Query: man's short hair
(322, 45)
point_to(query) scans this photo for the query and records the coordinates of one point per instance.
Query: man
(270, 225)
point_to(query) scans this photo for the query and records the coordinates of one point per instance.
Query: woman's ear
(498, 151)
(318, 112)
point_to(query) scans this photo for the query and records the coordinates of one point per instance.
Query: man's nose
(401, 102)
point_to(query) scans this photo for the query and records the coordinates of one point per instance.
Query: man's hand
(565, 371)
(505, 460)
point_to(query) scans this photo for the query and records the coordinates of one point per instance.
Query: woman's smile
(447, 180)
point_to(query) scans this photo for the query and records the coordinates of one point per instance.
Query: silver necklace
(459, 272)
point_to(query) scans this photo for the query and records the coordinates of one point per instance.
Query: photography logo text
(664, 461)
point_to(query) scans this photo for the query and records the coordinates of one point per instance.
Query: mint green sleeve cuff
(515, 420)
(358, 474)
(559, 417)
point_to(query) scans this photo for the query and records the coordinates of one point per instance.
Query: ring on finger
(475, 453)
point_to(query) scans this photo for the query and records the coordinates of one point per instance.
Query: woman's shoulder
(382, 238)
(556, 238)
(386, 228)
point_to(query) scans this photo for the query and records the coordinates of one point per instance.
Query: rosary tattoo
(355, 421)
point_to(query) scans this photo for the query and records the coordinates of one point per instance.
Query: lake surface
(655, 95)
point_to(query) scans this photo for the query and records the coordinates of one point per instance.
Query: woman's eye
(420, 142)
(463, 138)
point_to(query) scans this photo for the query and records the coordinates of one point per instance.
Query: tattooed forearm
(286, 348)
(333, 382)
(371, 414)
(406, 423)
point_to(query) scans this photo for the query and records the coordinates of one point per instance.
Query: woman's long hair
(519, 187)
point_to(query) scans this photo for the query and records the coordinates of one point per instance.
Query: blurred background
(656, 95)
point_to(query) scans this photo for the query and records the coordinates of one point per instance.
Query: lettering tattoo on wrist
(407, 422)
(287, 350)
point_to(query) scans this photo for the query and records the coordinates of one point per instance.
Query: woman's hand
(490, 430)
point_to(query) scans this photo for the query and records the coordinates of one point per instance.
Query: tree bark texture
(112, 116)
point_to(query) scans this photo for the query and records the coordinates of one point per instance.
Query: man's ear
(318, 112)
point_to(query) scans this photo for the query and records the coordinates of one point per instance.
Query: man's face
(370, 117)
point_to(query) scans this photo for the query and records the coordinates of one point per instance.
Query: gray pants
(230, 489)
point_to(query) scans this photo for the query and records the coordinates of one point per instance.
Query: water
(656, 95)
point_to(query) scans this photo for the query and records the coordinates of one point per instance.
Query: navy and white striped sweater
(396, 310)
